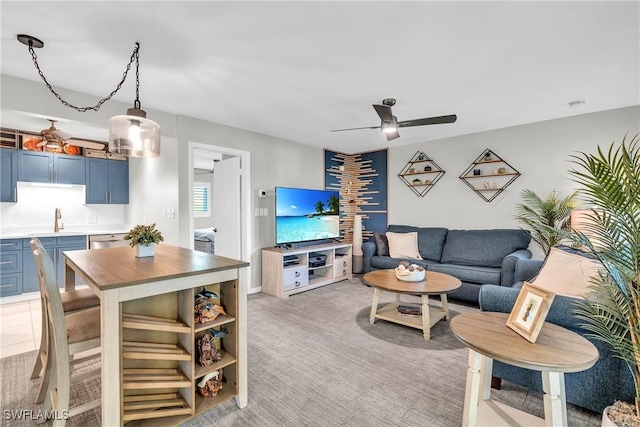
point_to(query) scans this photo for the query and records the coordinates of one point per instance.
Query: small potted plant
(143, 239)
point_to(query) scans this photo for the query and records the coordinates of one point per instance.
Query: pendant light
(133, 134)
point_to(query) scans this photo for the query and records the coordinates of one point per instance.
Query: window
(201, 199)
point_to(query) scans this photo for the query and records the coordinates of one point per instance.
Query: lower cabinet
(55, 247)
(10, 267)
(288, 271)
(160, 358)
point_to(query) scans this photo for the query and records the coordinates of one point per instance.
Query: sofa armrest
(508, 273)
(526, 269)
(501, 299)
(368, 250)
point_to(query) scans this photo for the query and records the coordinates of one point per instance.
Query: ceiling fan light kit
(389, 123)
(132, 134)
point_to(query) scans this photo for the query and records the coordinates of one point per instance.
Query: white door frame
(245, 208)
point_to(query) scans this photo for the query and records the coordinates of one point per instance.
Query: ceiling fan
(55, 138)
(389, 123)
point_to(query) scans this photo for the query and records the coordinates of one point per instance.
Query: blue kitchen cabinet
(54, 246)
(9, 174)
(107, 181)
(10, 267)
(36, 166)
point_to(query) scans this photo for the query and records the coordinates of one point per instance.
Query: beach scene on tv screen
(303, 215)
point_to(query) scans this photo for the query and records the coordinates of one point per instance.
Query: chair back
(51, 298)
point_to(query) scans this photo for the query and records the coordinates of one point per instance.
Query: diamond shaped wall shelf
(421, 173)
(489, 175)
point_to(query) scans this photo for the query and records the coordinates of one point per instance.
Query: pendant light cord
(134, 57)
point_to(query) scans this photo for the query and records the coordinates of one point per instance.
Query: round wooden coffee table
(434, 284)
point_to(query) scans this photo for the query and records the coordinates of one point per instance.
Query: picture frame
(530, 310)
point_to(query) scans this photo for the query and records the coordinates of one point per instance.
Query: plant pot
(606, 421)
(142, 251)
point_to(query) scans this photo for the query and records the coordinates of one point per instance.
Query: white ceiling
(297, 69)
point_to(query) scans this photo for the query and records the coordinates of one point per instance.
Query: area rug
(315, 360)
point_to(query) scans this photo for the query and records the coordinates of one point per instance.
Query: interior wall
(541, 152)
(274, 162)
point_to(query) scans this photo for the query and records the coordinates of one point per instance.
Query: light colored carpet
(314, 360)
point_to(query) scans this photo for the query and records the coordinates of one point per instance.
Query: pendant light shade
(134, 135)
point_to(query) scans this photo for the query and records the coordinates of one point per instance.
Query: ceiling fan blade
(384, 111)
(428, 121)
(60, 135)
(43, 143)
(392, 135)
(86, 144)
(369, 127)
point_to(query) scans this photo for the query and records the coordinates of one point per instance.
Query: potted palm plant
(143, 239)
(546, 218)
(610, 181)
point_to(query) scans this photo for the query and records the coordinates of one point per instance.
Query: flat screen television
(304, 215)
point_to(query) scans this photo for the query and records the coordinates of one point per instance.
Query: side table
(556, 351)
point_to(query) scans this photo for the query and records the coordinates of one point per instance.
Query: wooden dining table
(117, 276)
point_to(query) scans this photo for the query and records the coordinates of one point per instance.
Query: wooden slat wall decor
(353, 176)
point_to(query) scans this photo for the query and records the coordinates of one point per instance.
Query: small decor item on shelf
(476, 172)
(413, 170)
(206, 311)
(487, 157)
(211, 384)
(409, 310)
(502, 170)
(416, 182)
(427, 168)
(143, 238)
(410, 272)
(489, 185)
(422, 156)
(208, 354)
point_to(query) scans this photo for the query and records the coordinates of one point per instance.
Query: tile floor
(20, 327)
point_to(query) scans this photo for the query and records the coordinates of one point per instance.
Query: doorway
(232, 235)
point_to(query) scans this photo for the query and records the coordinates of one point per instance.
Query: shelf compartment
(153, 351)
(421, 188)
(152, 323)
(222, 319)
(149, 406)
(227, 360)
(142, 378)
(203, 404)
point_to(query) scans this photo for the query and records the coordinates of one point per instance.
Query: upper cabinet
(37, 166)
(8, 174)
(107, 181)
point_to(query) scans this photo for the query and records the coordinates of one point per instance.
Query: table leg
(487, 371)
(69, 278)
(445, 306)
(473, 388)
(110, 358)
(374, 306)
(555, 401)
(426, 327)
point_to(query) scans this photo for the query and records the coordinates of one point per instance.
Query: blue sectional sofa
(594, 389)
(476, 257)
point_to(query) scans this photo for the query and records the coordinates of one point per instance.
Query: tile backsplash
(37, 203)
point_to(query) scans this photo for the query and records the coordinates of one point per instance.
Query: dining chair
(72, 301)
(68, 334)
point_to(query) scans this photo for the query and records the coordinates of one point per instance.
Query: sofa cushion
(382, 244)
(430, 239)
(482, 247)
(403, 245)
(467, 273)
(385, 262)
(568, 272)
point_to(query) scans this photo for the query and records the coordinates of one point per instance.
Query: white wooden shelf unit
(287, 272)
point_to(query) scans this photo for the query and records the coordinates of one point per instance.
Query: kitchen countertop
(75, 230)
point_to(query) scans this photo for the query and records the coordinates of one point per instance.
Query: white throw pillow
(567, 274)
(403, 245)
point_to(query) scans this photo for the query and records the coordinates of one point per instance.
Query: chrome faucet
(57, 227)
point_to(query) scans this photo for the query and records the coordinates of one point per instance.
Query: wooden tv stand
(287, 272)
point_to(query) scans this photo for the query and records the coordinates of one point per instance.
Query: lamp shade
(134, 135)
